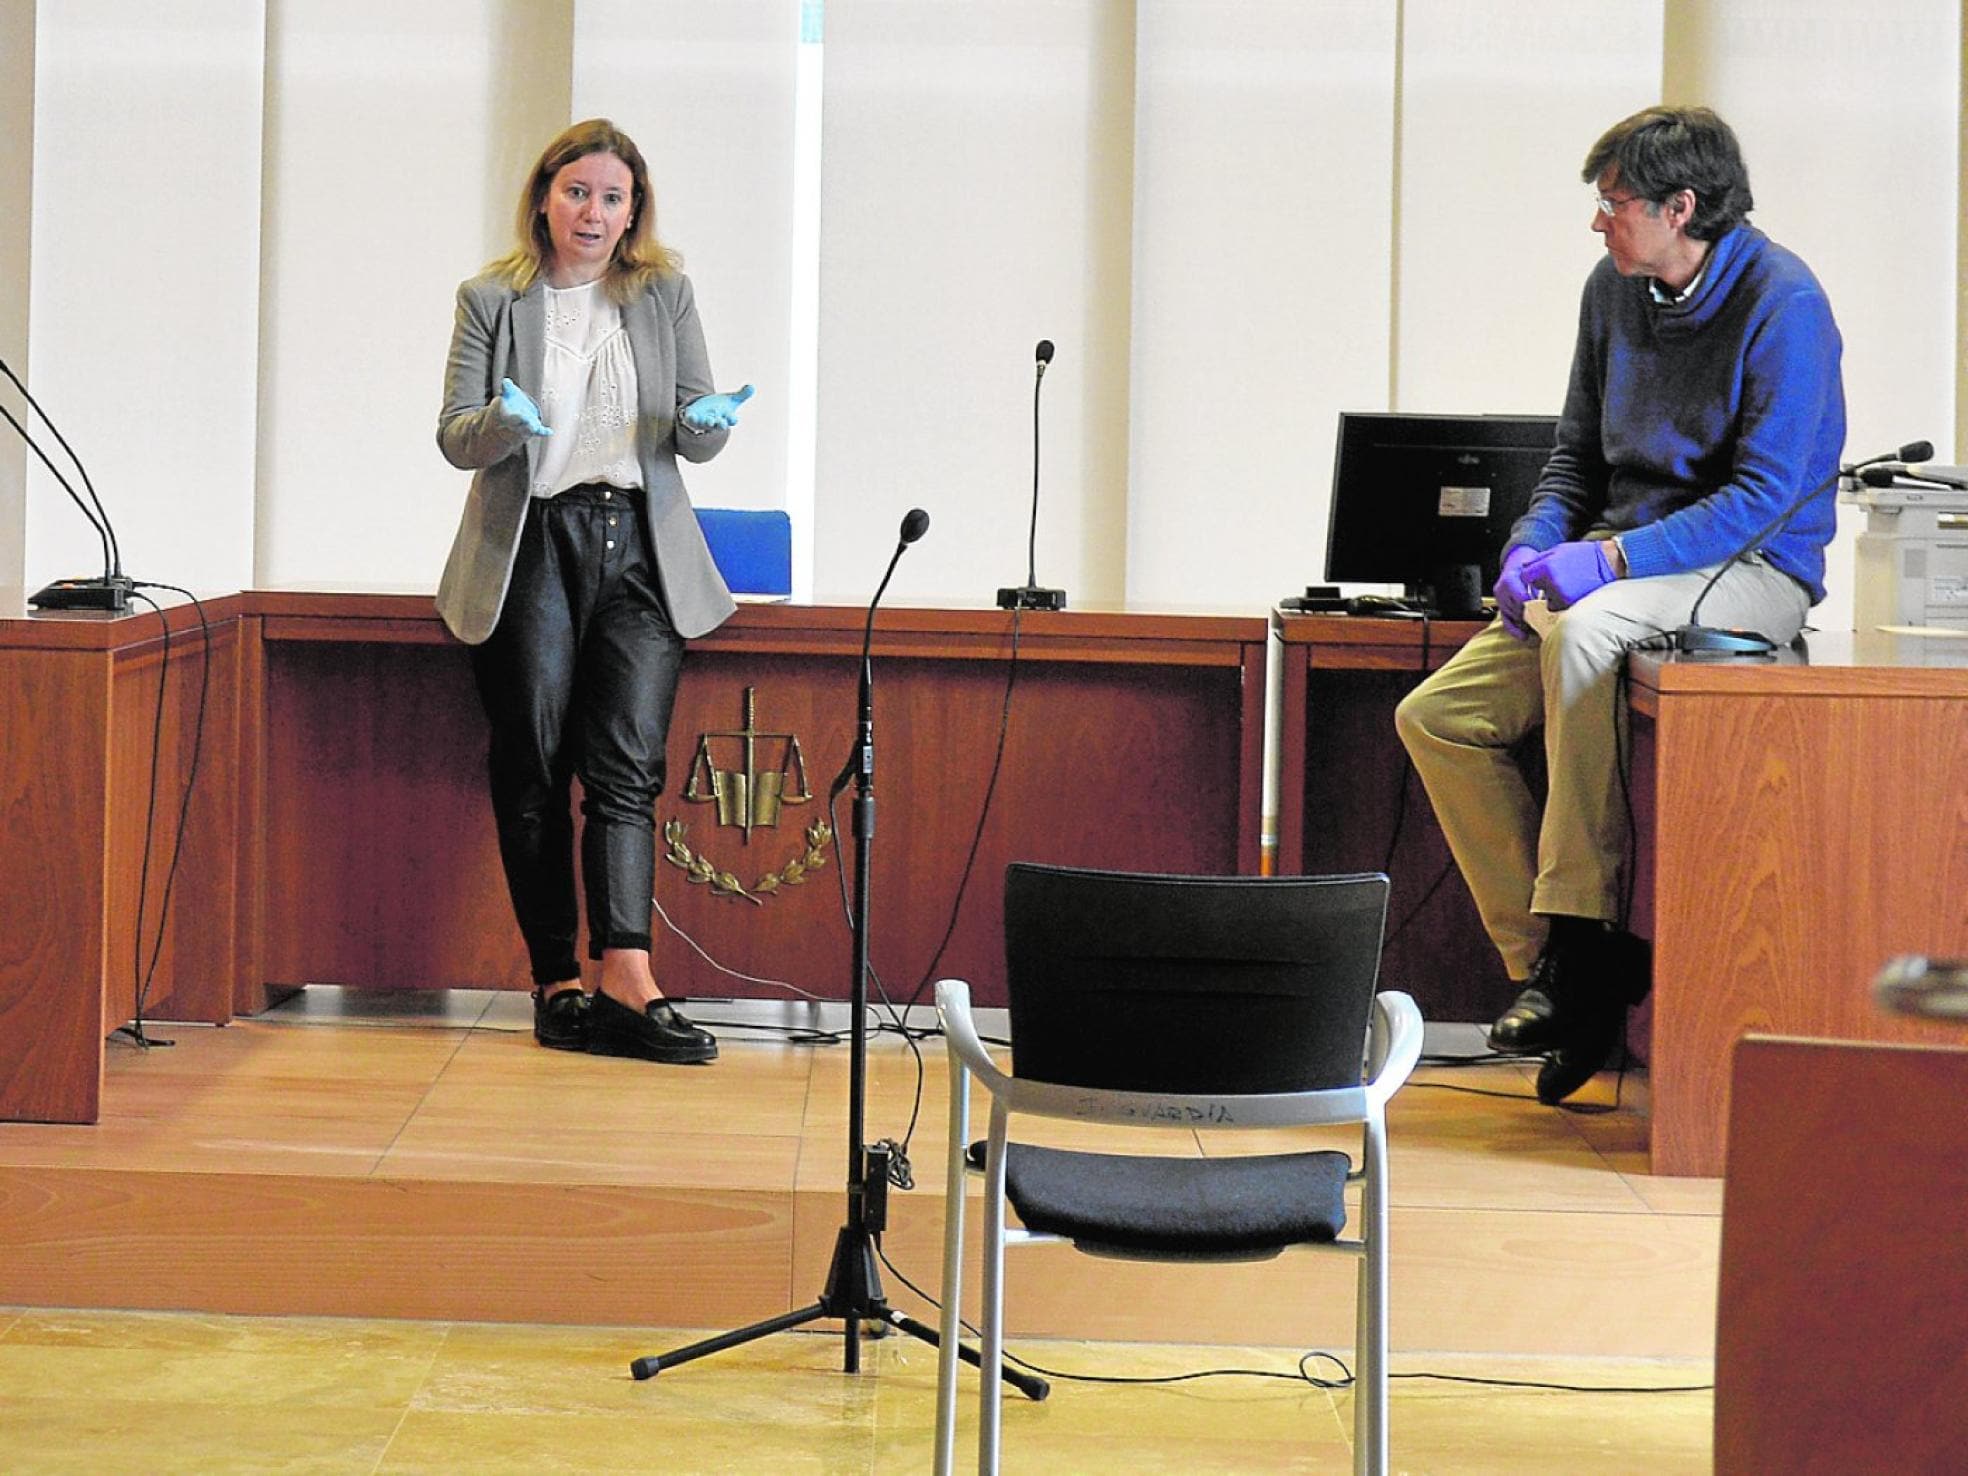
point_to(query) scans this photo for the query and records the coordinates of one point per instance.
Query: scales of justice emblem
(748, 797)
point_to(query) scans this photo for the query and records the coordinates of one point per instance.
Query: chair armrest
(960, 1035)
(1393, 1044)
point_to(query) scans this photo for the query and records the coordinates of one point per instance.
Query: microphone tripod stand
(853, 1292)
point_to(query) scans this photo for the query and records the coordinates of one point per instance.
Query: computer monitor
(1425, 501)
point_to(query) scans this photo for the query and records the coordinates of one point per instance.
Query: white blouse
(587, 395)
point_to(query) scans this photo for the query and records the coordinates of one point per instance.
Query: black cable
(142, 975)
(1346, 1380)
(1560, 1388)
(102, 532)
(112, 553)
(1768, 530)
(898, 1024)
(1448, 869)
(983, 814)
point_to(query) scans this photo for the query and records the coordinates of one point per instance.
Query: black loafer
(560, 1021)
(655, 1033)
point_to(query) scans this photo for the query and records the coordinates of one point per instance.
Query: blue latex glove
(1512, 589)
(519, 405)
(1569, 572)
(715, 412)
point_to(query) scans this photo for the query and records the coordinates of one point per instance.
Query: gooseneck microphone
(110, 592)
(1029, 596)
(861, 760)
(1701, 639)
(1915, 451)
(1899, 474)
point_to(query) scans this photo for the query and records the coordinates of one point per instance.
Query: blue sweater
(1690, 428)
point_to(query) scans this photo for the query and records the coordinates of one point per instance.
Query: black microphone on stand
(1029, 596)
(111, 592)
(1698, 639)
(853, 1292)
(915, 523)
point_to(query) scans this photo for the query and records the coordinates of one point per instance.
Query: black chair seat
(1180, 1209)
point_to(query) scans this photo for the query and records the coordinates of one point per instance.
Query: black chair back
(1196, 984)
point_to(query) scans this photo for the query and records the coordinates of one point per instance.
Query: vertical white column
(708, 94)
(144, 286)
(1500, 101)
(803, 292)
(398, 138)
(977, 176)
(1263, 193)
(16, 213)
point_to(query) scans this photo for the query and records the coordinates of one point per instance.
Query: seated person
(1701, 434)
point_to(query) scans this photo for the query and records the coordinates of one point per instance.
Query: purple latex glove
(1512, 589)
(1568, 573)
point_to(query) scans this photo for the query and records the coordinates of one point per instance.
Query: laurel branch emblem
(724, 883)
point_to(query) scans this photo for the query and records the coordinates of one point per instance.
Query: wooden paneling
(437, 1171)
(1842, 1230)
(1348, 801)
(181, 768)
(1133, 741)
(82, 723)
(378, 1247)
(378, 861)
(1802, 838)
(53, 712)
(1115, 766)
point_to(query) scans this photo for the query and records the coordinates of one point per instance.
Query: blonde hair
(638, 258)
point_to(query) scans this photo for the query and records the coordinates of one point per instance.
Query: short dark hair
(1659, 151)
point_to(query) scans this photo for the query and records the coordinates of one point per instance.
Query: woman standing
(577, 377)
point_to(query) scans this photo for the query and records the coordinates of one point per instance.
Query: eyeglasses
(1610, 204)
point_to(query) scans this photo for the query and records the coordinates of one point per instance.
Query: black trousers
(578, 679)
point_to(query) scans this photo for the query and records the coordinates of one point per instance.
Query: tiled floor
(1491, 1192)
(96, 1392)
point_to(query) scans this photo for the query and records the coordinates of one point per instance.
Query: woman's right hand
(519, 406)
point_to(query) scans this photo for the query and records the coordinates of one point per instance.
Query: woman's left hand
(715, 412)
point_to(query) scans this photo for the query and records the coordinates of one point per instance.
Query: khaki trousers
(1460, 724)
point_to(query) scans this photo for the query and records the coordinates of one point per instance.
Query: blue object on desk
(753, 549)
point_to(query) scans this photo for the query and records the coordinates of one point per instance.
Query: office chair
(1188, 1003)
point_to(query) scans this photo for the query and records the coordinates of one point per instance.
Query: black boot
(655, 1033)
(1591, 1024)
(1527, 1028)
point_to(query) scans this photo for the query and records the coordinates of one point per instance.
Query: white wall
(233, 260)
(1500, 99)
(1849, 120)
(16, 214)
(144, 299)
(974, 180)
(1263, 199)
(707, 91)
(398, 137)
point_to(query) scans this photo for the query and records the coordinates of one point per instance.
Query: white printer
(1912, 564)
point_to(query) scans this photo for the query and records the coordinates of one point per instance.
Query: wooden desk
(1842, 1230)
(1810, 821)
(1344, 786)
(341, 833)
(1800, 821)
(78, 708)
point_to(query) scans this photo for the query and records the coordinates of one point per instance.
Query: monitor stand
(1455, 594)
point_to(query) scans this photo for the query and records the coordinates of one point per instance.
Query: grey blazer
(500, 333)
